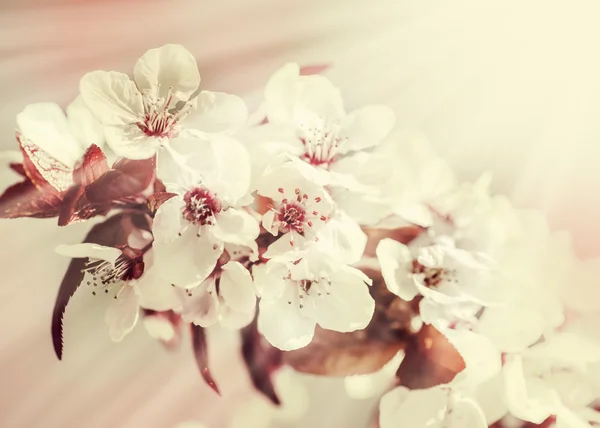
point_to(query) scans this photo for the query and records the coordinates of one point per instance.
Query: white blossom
(141, 114)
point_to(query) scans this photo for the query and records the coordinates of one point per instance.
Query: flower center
(433, 276)
(128, 267)
(201, 206)
(160, 118)
(291, 216)
(321, 141)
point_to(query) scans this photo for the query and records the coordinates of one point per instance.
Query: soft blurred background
(509, 86)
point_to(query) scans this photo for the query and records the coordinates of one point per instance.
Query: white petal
(202, 308)
(343, 238)
(156, 293)
(483, 361)
(217, 112)
(317, 98)
(566, 348)
(269, 279)
(424, 408)
(112, 97)
(236, 227)
(188, 259)
(236, 287)
(170, 66)
(234, 320)
(93, 251)
(466, 413)
(512, 327)
(523, 400)
(45, 125)
(122, 314)
(281, 92)
(349, 306)
(83, 124)
(169, 221)
(129, 141)
(366, 127)
(283, 250)
(395, 259)
(283, 324)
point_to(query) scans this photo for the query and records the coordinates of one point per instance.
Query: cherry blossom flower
(297, 297)
(56, 142)
(448, 278)
(300, 208)
(141, 114)
(120, 273)
(210, 180)
(553, 379)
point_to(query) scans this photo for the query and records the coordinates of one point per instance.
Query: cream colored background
(512, 86)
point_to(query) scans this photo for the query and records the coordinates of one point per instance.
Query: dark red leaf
(18, 168)
(262, 360)
(93, 165)
(127, 178)
(112, 232)
(157, 199)
(69, 205)
(26, 200)
(201, 354)
(313, 69)
(430, 360)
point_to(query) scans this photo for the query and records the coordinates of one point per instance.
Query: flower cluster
(334, 242)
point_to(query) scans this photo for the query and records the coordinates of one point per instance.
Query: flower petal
(236, 227)
(217, 112)
(45, 126)
(129, 141)
(349, 306)
(236, 287)
(366, 127)
(83, 124)
(283, 323)
(112, 97)
(93, 251)
(122, 314)
(423, 408)
(156, 293)
(187, 260)
(202, 307)
(170, 66)
(395, 258)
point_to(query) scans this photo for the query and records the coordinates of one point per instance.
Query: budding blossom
(140, 115)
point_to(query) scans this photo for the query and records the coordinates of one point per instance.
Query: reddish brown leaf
(127, 178)
(360, 352)
(262, 360)
(159, 186)
(113, 232)
(201, 354)
(430, 360)
(18, 168)
(157, 199)
(93, 165)
(26, 200)
(313, 69)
